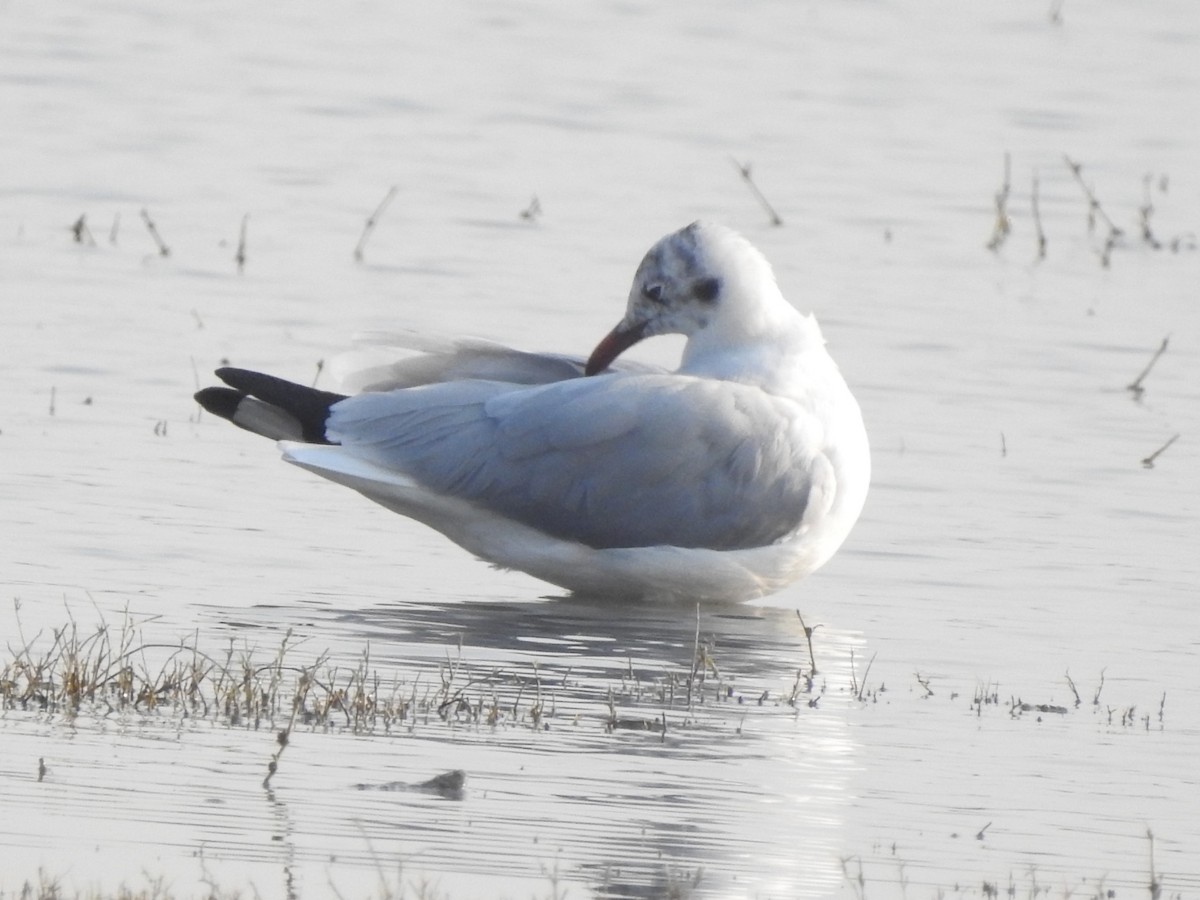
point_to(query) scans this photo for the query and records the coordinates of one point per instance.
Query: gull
(734, 475)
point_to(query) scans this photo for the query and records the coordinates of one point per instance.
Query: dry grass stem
(240, 256)
(1155, 885)
(1145, 211)
(1037, 220)
(1095, 210)
(1148, 462)
(80, 232)
(532, 211)
(744, 171)
(808, 636)
(372, 222)
(859, 689)
(1002, 227)
(1135, 386)
(163, 249)
(1071, 685)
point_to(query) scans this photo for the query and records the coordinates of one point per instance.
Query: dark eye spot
(653, 292)
(706, 289)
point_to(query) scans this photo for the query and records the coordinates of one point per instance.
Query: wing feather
(614, 461)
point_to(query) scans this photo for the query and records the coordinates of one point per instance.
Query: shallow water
(1012, 535)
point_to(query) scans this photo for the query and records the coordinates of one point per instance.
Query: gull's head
(703, 280)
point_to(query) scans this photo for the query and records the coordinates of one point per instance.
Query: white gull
(729, 478)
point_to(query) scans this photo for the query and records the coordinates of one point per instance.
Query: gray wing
(613, 461)
(385, 362)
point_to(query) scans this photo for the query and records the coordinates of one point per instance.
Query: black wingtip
(303, 409)
(220, 401)
(242, 380)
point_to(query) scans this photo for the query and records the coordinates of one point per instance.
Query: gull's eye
(653, 292)
(706, 289)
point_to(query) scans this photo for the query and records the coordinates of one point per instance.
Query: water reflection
(755, 637)
(643, 773)
(625, 784)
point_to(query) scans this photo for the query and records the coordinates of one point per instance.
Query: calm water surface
(1013, 535)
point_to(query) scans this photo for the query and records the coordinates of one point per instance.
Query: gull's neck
(763, 341)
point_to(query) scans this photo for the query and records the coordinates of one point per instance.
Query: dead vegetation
(110, 669)
(890, 871)
(1106, 235)
(106, 670)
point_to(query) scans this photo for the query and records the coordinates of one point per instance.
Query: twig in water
(1094, 210)
(866, 672)
(240, 256)
(903, 879)
(163, 249)
(372, 221)
(298, 700)
(924, 683)
(1003, 225)
(1071, 685)
(1136, 384)
(1183, 242)
(81, 233)
(1155, 884)
(808, 633)
(695, 659)
(1148, 462)
(1056, 11)
(857, 882)
(320, 368)
(1145, 211)
(112, 232)
(1037, 220)
(1094, 207)
(744, 171)
(1099, 688)
(860, 689)
(979, 835)
(533, 210)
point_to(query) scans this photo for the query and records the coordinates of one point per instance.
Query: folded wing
(624, 460)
